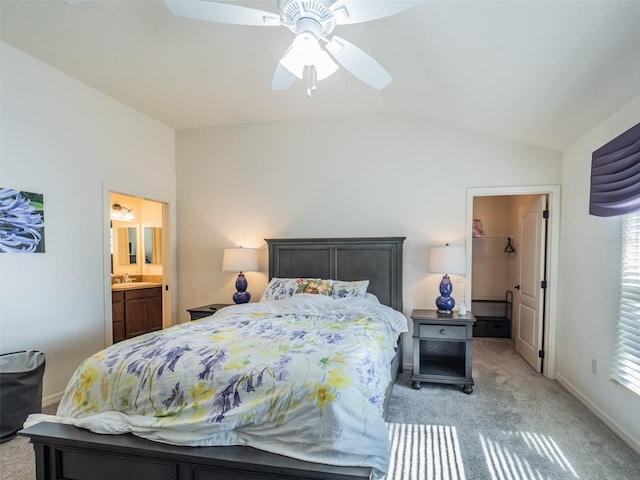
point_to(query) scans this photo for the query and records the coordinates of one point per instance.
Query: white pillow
(279, 288)
(342, 289)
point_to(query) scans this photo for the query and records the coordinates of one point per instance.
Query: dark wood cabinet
(136, 311)
(442, 348)
(154, 312)
(117, 316)
(206, 310)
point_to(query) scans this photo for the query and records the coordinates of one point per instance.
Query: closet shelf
(482, 237)
(508, 249)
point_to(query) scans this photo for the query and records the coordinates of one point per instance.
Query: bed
(64, 451)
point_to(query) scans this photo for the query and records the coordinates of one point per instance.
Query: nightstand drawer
(443, 331)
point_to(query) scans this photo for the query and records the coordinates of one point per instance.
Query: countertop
(134, 285)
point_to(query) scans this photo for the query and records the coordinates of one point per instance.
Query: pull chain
(311, 80)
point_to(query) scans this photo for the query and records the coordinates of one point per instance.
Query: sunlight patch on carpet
(424, 452)
(505, 463)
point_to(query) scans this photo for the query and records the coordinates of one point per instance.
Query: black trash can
(20, 390)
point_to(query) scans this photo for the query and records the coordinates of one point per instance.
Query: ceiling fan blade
(282, 78)
(222, 13)
(359, 63)
(357, 11)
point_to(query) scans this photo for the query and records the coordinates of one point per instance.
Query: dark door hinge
(543, 284)
(545, 214)
(541, 353)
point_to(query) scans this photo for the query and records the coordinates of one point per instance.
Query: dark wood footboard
(64, 452)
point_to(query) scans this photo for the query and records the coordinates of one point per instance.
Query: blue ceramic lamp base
(241, 296)
(445, 302)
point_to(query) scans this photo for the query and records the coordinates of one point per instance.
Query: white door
(530, 301)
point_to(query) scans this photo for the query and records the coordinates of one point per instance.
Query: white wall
(589, 270)
(69, 142)
(347, 176)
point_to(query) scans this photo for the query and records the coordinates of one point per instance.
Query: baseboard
(52, 399)
(606, 419)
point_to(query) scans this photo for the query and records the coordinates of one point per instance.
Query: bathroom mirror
(153, 245)
(127, 245)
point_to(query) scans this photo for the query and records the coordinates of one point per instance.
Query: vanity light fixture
(118, 212)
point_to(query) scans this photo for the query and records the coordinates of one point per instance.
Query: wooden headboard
(377, 259)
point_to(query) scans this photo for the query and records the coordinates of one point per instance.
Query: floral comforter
(304, 377)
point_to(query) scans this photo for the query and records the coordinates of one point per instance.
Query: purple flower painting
(21, 221)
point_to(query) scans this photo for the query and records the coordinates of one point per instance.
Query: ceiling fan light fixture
(313, 21)
(324, 65)
(305, 51)
(293, 60)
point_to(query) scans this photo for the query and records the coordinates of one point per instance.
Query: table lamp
(240, 260)
(447, 260)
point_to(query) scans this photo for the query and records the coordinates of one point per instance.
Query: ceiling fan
(313, 22)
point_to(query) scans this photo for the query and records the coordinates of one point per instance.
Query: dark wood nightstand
(206, 310)
(442, 348)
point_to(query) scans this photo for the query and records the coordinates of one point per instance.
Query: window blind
(615, 176)
(626, 364)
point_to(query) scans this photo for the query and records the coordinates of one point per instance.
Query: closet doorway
(512, 268)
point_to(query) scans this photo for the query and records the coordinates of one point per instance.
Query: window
(626, 364)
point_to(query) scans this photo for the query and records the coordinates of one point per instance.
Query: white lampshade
(240, 260)
(448, 260)
(305, 50)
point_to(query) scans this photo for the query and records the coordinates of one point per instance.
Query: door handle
(517, 287)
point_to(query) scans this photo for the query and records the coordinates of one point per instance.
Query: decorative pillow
(343, 289)
(314, 285)
(278, 289)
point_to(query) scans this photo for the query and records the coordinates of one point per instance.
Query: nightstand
(206, 310)
(442, 348)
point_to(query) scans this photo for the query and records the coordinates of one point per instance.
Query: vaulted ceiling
(538, 72)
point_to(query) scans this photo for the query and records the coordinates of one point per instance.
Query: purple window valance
(615, 176)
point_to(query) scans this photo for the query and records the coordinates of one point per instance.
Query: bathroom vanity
(137, 309)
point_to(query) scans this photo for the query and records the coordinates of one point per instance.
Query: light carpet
(516, 425)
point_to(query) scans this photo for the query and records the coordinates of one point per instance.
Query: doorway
(495, 268)
(138, 250)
